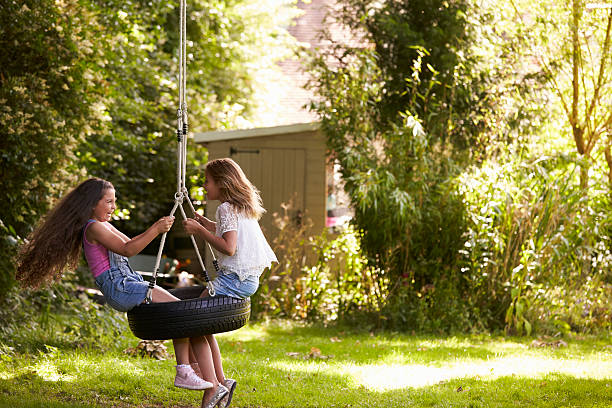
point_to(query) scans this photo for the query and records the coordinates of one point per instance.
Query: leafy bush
(471, 225)
(89, 88)
(529, 259)
(536, 247)
(322, 277)
(44, 111)
(59, 316)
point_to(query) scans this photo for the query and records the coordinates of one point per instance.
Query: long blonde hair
(56, 243)
(235, 188)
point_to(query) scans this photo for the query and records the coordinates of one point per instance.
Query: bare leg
(202, 352)
(193, 361)
(192, 357)
(161, 295)
(215, 351)
(181, 346)
(216, 356)
(181, 350)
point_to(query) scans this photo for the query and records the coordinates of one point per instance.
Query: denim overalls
(123, 288)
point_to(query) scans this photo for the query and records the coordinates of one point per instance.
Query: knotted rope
(182, 131)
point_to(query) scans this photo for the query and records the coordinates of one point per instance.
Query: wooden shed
(286, 163)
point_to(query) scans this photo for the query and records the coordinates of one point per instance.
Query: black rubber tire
(189, 317)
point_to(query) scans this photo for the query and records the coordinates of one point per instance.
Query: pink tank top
(96, 255)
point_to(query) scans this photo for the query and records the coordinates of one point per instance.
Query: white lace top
(253, 254)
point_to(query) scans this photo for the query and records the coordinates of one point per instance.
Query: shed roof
(222, 135)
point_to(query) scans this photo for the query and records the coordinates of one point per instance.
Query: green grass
(282, 364)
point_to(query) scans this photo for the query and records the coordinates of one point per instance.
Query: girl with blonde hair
(243, 252)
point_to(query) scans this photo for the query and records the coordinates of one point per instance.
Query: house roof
(292, 107)
(287, 110)
(223, 135)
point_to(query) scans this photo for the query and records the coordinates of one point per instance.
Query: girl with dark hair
(82, 219)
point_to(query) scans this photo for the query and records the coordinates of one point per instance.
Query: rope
(182, 130)
(214, 261)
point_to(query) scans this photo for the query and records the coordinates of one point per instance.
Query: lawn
(282, 364)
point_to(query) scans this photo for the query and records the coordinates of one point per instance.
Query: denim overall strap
(118, 261)
(113, 259)
(89, 221)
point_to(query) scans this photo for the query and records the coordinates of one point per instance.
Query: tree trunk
(574, 119)
(609, 160)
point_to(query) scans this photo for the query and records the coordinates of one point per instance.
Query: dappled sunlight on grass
(377, 377)
(386, 363)
(286, 365)
(245, 334)
(48, 371)
(383, 377)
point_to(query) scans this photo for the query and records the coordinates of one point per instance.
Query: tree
(88, 88)
(465, 70)
(572, 45)
(411, 116)
(45, 109)
(402, 112)
(138, 47)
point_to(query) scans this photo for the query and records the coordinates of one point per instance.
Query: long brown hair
(234, 187)
(56, 243)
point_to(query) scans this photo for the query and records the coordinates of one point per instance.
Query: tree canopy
(444, 123)
(89, 88)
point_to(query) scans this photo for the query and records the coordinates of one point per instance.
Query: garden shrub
(536, 247)
(44, 111)
(321, 277)
(512, 246)
(473, 228)
(59, 316)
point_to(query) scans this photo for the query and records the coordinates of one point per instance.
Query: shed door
(280, 176)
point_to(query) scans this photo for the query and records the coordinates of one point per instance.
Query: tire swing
(191, 316)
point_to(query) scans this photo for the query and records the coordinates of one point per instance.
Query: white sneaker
(187, 378)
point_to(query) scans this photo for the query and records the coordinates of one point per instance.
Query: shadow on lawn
(358, 347)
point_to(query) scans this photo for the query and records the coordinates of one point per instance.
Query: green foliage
(136, 64)
(44, 112)
(319, 278)
(399, 182)
(524, 247)
(448, 63)
(340, 285)
(466, 243)
(89, 88)
(570, 42)
(59, 316)
(134, 145)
